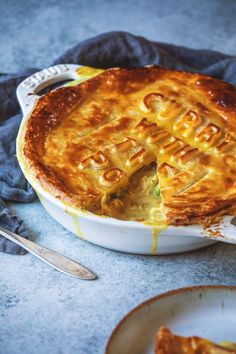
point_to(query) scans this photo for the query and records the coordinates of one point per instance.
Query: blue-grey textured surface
(33, 32)
(41, 310)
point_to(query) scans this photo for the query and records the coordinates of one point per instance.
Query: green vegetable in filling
(157, 191)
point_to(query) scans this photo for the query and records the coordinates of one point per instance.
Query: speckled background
(41, 310)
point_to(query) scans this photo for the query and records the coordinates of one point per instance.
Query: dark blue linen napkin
(113, 49)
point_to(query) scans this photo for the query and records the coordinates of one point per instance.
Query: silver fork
(57, 261)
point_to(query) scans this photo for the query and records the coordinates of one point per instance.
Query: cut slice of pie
(142, 144)
(168, 343)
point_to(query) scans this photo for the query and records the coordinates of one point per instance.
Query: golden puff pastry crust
(84, 143)
(168, 343)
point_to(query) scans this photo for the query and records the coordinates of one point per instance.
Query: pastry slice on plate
(169, 343)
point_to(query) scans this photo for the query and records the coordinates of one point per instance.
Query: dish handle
(27, 90)
(224, 230)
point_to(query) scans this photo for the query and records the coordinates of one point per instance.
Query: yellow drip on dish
(75, 218)
(155, 234)
(156, 230)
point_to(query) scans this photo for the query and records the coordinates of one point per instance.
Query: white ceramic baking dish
(126, 236)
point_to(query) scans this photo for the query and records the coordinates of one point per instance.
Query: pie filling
(140, 200)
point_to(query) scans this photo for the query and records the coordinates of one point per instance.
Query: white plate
(206, 311)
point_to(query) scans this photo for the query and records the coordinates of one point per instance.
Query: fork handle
(57, 261)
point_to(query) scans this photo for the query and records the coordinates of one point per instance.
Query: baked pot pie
(145, 144)
(168, 343)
